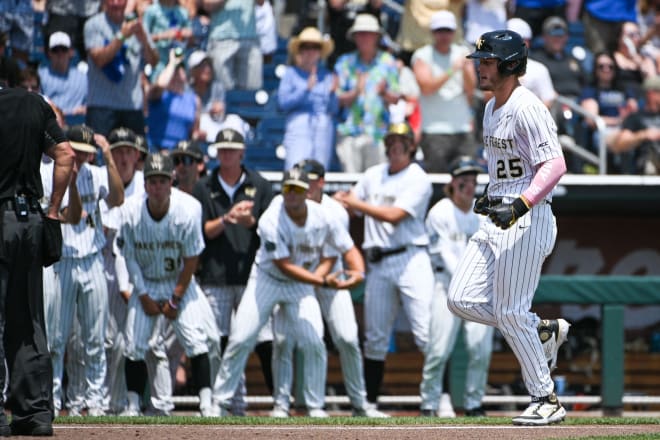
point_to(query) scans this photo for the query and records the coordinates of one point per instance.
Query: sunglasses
(286, 189)
(606, 66)
(186, 160)
(307, 46)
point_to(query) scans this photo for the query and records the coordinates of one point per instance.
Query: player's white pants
(339, 314)
(159, 365)
(83, 291)
(224, 301)
(443, 332)
(495, 283)
(404, 279)
(259, 299)
(52, 303)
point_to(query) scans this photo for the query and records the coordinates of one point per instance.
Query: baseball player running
(296, 237)
(495, 280)
(450, 223)
(394, 197)
(82, 284)
(338, 313)
(161, 239)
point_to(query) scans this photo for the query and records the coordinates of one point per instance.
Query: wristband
(172, 305)
(325, 282)
(178, 34)
(449, 72)
(120, 36)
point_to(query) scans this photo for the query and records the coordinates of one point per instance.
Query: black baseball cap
(314, 169)
(122, 137)
(230, 139)
(158, 164)
(81, 138)
(296, 177)
(188, 148)
(465, 165)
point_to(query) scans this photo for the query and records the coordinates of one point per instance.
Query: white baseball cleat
(95, 412)
(369, 410)
(553, 333)
(317, 413)
(446, 409)
(542, 411)
(278, 412)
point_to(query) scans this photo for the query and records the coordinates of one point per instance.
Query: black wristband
(519, 207)
(325, 281)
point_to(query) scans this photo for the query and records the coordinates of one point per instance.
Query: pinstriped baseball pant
(494, 284)
(299, 303)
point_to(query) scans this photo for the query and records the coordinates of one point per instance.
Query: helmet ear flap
(515, 67)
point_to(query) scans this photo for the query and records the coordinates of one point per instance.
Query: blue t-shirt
(609, 101)
(171, 119)
(612, 10)
(67, 91)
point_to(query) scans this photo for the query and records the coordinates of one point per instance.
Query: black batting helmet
(506, 46)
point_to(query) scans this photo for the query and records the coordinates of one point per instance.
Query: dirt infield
(454, 432)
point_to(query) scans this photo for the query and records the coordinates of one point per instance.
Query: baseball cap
(313, 168)
(157, 164)
(188, 148)
(465, 165)
(122, 137)
(652, 83)
(296, 177)
(196, 58)
(59, 38)
(141, 144)
(81, 138)
(555, 26)
(519, 26)
(400, 129)
(229, 138)
(443, 20)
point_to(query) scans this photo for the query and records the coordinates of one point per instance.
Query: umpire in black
(28, 128)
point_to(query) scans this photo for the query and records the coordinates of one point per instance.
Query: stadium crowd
(143, 90)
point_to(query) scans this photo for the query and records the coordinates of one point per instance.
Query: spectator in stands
(640, 133)
(29, 80)
(266, 28)
(447, 80)
(537, 77)
(535, 12)
(69, 17)
(341, 15)
(602, 19)
(64, 84)
(565, 70)
(17, 22)
(606, 99)
(632, 67)
(307, 95)
(9, 69)
(118, 49)
(483, 16)
(234, 43)
(650, 27)
(416, 19)
(210, 92)
(368, 83)
(168, 24)
(174, 108)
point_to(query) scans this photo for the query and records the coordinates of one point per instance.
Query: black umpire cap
(157, 164)
(314, 169)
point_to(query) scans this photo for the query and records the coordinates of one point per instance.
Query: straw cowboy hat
(364, 23)
(312, 35)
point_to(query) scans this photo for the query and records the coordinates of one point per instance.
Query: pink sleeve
(546, 177)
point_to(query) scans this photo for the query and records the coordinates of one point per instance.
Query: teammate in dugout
(161, 239)
(296, 237)
(450, 223)
(393, 197)
(495, 281)
(338, 314)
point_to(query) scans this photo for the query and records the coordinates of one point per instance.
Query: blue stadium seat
(261, 155)
(271, 129)
(244, 103)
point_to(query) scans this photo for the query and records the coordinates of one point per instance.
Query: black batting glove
(481, 205)
(505, 216)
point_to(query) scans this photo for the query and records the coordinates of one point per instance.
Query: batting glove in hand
(481, 205)
(504, 216)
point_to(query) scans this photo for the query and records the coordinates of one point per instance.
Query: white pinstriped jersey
(86, 237)
(46, 171)
(517, 137)
(410, 189)
(336, 210)
(111, 217)
(154, 249)
(303, 245)
(449, 230)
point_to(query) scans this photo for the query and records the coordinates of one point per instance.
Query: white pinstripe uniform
(153, 252)
(116, 274)
(83, 289)
(268, 287)
(449, 229)
(496, 279)
(339, 314)
(403, 279)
